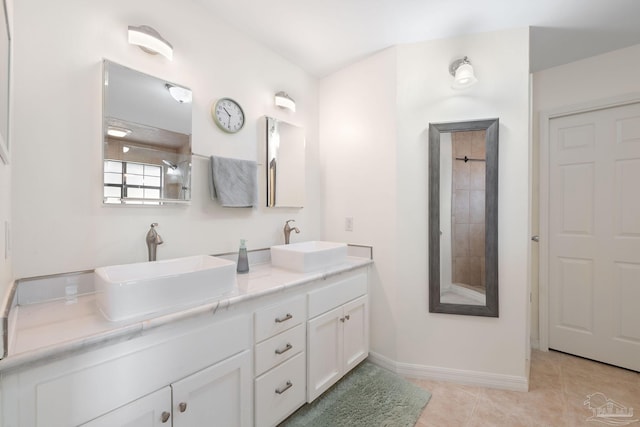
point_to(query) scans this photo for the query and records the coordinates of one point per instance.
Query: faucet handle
(154, 224)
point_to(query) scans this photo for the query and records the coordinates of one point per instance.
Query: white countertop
(48, 329)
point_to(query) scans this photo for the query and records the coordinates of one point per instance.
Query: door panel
(324, 340)
(594, 241)
(216, 396)
(356, 333)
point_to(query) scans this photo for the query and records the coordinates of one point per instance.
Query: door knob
(164, 417)
(182, 406)
(535, 238)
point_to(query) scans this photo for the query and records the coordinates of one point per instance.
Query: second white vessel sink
(310, 256)
(133, 290)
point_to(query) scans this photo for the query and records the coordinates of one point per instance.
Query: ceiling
(324, 36)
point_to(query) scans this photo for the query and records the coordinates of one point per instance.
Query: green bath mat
(368, 396)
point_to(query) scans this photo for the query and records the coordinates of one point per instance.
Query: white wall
(370, 129)
(358, 154)
(596, 78)
(60, 223)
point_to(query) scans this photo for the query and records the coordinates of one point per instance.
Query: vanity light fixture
(462, 73)
(180, 94)
(118, 132)
(149, 40)
(285, 101)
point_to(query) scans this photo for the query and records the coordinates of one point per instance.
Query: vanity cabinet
(213, 394)
(280, 361)
(205, 364)
(338, 334)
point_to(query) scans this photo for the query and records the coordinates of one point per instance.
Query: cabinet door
(153, 410)
(217, 396)
(356, 332)
(325, 340)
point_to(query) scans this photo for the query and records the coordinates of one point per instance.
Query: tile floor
(558, 387)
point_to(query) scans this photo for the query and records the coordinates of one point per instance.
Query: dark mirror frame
(490, 309)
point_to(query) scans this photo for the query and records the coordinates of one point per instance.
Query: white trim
(545, 118)
(460, 376)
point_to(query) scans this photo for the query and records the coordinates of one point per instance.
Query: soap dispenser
(243, 262)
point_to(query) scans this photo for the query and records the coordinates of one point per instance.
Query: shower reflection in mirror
(462, 195)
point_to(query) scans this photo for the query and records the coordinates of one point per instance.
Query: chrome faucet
(288, 230)
(153, 240)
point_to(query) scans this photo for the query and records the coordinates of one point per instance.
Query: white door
(594, 235)
(356, 332)
(153, 410)
(220, 395)
(324, 343)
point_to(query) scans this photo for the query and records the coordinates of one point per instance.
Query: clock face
(228, 115)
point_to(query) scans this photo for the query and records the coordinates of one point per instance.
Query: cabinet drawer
(332, 296)
(277, 318)
(277, 349)
(280, 391)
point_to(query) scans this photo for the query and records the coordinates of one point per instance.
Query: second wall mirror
(463, 218)
(285, 163)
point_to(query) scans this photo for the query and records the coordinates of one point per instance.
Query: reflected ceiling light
(118, 132)
(285, 101)
(462, 73)
(149, 40)
(125, 149)
(180, 94)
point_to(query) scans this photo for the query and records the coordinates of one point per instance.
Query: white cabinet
(338, 339)
(153, 410)
(218, 395)
(280, 361)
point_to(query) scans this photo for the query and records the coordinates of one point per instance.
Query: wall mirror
(463, 218)
(146, 138)
(285, 163)
(5, 67)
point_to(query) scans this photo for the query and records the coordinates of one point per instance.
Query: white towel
(234, 182)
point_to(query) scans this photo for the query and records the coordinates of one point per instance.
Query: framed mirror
(463, 218)
(285, 148)
(146, 138)
(5, 67)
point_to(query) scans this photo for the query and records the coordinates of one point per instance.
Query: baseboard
(482, 379)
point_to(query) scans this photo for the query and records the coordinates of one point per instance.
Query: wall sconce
(285, 101)
(462, 73)
(180, 94)
(149, 40)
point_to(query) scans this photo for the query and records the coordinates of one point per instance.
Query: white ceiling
(323, 36)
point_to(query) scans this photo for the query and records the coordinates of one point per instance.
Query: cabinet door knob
(284, 350)
(342, 319)
(284, 319)
(348, 316)
(286, 387)
(164, 417)
(182, 406)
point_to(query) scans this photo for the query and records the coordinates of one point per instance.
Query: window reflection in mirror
(147, 139)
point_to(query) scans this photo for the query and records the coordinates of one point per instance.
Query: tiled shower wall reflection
(468, 208)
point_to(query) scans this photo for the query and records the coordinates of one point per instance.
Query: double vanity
(186, 342)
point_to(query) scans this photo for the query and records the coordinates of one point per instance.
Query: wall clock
(228, 115)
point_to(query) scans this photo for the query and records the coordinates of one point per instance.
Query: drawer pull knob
(285, 349)
(182, 406)
(348, 316)
(342, 319)
(286, 387)
(284, 319)
(164, 417)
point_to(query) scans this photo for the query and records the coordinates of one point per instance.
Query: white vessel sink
(311, 256)
(134, 290)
